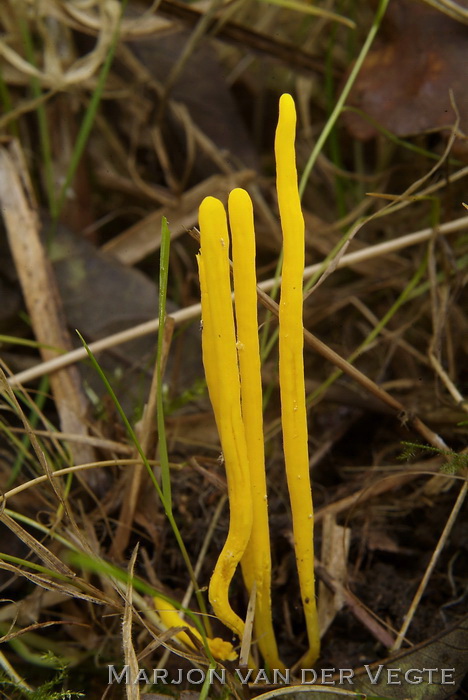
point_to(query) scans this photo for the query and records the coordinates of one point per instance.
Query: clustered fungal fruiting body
(170, 617)
(232, 368)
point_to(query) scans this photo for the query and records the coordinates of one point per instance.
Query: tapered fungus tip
(210, 205)
(238, 197)
(286, 99)
(287, 107)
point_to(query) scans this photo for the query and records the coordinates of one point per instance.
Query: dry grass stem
(193, 311)
(430, 567)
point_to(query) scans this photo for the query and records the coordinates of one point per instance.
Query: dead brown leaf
(405, 83)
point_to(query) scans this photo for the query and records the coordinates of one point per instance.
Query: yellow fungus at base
(170, 617)
(291, 369)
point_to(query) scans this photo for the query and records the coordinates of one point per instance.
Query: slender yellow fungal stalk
(208, 348)
(291, 369)
(256, 562)
(170, 617)
(221, 346)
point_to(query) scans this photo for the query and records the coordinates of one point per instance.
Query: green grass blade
(7, 104)
(44, 138)
(334, 143)
(108, 570)
(267, 344)
(33, 421)
(162, 442)
(401, 142)
(126, 422)
(344, 95)
(402, 299)
(89, 117)
(166, 505)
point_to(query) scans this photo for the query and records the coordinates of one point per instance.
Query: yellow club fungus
(256, 562)
(291, 369)
(170, 617)
(219, 346)
(234, 383)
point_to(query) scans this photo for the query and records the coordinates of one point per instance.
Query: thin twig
(430, 568)
(193, 311)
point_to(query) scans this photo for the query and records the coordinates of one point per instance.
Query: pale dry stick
(435, 555)
(152, 616)
(132, 690)
(461, 402)
(451, 9)
(193, 311)
(356, 607)
(246, 641)
(10, 671)
(102, 443)
(70, 470)
(39, 289)
(97, 346)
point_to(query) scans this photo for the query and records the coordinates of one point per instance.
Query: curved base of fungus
(170, 617)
